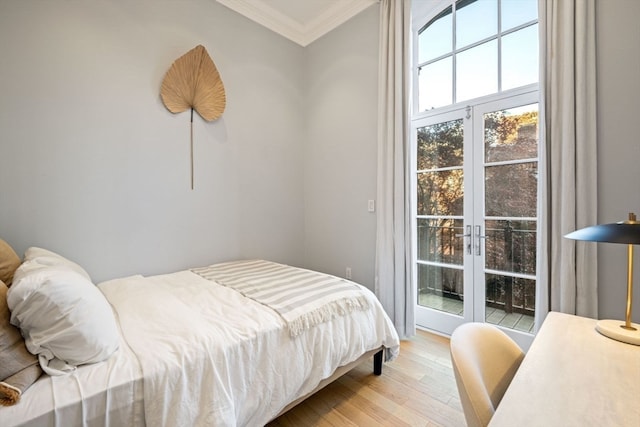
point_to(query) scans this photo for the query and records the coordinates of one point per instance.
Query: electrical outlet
(348, 273)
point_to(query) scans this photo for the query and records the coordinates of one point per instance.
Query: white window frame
(423, 12)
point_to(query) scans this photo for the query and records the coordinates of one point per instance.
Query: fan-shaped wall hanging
(193, 82)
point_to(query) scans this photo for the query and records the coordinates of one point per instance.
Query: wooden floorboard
(417, 389)
(519, 322)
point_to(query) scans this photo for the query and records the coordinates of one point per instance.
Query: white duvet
(211, 357)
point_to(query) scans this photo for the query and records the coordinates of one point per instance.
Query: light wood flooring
(417, 389)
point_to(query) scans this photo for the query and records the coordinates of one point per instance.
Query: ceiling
(301, 21)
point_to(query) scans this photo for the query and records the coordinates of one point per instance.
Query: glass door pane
(440, 265)
(439, 223)
(510, 211)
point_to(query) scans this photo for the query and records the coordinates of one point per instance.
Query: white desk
(573, 376)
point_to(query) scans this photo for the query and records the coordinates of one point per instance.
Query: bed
(231, 344)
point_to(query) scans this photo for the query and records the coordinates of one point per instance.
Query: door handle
(479, 238)
(468, 242)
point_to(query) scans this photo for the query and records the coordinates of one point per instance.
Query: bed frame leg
(377, 363)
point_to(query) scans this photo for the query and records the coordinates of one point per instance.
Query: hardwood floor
(417, 389)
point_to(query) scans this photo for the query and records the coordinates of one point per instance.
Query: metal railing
(508, 249)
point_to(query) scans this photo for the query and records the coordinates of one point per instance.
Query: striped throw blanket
(303, 298)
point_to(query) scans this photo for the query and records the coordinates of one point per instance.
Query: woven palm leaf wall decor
(193, 82)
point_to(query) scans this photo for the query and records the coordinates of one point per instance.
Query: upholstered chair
(485, 359)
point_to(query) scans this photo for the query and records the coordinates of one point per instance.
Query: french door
(475, 225)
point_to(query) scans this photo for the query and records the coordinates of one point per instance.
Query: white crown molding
(261, 12)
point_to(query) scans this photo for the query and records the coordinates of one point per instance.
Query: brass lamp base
(615, 329)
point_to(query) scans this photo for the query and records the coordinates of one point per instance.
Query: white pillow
(65, 319)
(45, 257)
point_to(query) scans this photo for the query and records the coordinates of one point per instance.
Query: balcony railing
(509, 248)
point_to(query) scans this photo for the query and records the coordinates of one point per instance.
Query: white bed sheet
(212, 357)
(105, 393)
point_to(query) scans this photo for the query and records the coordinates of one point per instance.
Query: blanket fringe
(9, 395)
(326, 313)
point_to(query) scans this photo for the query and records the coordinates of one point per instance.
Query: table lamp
(627, 232)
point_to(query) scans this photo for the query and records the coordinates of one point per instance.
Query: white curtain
(568, 269)
(393, 283)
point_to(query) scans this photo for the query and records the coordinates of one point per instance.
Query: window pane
(520, 58)
(510, 190)
(511, 134)
(518, 12)
(436, 84)
(510, 246)
(477, 71)
(436, 38)
(475, 20)
(440, 193)
(440, 288)
(437, 240)
(440, 145)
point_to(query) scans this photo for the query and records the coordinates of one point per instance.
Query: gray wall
(618, 75)
(341, 148)
(94, 167)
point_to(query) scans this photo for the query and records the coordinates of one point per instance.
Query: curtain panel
(393, 284)
(567, 269)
